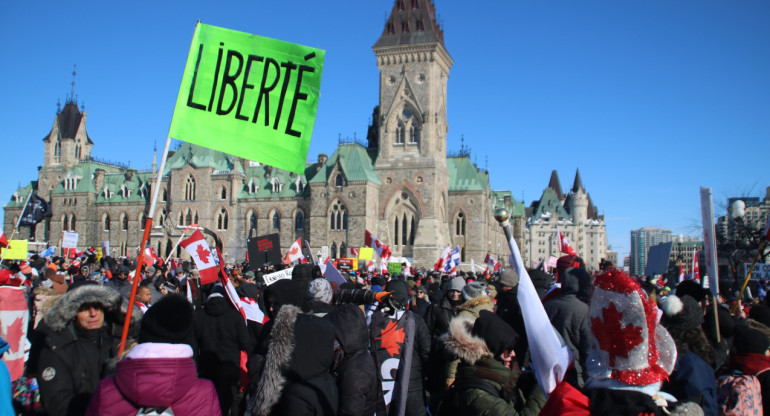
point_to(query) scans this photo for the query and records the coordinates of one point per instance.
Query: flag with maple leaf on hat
(201, 253)
(14, 319)
(392, 340)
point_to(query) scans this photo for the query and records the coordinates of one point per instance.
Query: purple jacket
(154, 382)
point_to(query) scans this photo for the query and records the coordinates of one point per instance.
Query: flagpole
(179, 241)
(748, 277)
(147, 227)
(13, 233)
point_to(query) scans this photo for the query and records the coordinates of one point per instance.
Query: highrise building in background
(641, 240)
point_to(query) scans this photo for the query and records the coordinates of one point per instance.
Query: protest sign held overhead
(264, 251)
(249, 96)
(16, 251)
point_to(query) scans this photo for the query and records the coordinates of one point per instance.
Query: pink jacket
(155, 375)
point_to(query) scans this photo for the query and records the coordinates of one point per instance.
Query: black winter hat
(693, 289)
(303, 273)
(169, 321)
(749, 340)
(681, 312)
(498, 335)
(378, 281)
(398, 291)
(760, 314)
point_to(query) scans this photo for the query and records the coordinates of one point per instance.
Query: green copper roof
(23, 192)
(200, 156)
(263, 178)
(549, 205)
(514, 208)
(465, 176)
(355, 162)
(123, 190)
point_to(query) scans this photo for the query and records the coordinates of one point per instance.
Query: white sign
(274, 277)
(761, 271)
(69, 240)
(324, 252)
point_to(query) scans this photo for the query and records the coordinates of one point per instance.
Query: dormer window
(338, 181)
(404, 27)
(17, 198)
(252, 186)
(300, 185)
(107, 193)
(401, 5)
(420, 26)
(391, 28)
(277, 185)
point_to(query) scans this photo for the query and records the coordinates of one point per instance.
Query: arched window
(460, 224)
(334, 251)
(189, 188)
(400, 133)
(195, 219)
(72, 222)
(222, 219)
(77, 150)
(338, 217)
(188, 218)
(338, 181)
(343, 250)
(181, 218)
(142, 221)
(223, 193)
(165, 195)
(299, 221)
(252, 186)
(300, 186)
(162, 219)
(64, 223)
(57, 149)
(414, 132)
(253, 221)
(106, 222)
(276, 221)
(124, 222)
(276, 185)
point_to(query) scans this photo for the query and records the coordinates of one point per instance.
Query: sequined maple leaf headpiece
(629, 345)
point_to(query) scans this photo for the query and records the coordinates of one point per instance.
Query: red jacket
(154, 382)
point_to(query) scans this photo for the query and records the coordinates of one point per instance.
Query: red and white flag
(150, 257)
(201, 253)
(294, 253)
(370, 266)
(443, 259)
(354, 252)
(695, 271)
(14, 319)
(252, 311)
(3, 240)
(381, 249)
(492, 262)
(681, 273)
(564, 245)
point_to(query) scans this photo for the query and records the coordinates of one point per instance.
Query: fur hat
(458, 283)
(693, 289)
(628, 344)
(496, 333)
(681, 312)
(474, 290)
(302, 273)
(170, 321)
(508, 277)
(320, 290)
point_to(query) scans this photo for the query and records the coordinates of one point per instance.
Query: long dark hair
(694, 340)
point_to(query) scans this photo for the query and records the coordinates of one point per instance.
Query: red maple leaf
(618, 341)
(203, 254)
(14, 334)
(294, 250)
(391, 337)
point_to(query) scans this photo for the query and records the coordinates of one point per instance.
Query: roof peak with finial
(555, 184)
(411, 22)
(578, 184)
(71, 98)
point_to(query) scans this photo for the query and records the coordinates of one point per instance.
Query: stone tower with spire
(411, 157)
(577, 202)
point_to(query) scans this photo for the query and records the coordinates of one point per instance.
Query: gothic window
(165, 195)
(276, 221)
(338, 217)
(64, 223)
(252, 186)
(253, 221)
(343, 249)
(124, 222)
(188, 218)
(460, 224)
(195, 219)
(72, 222)
(300, 185)
(415, 4)
(77, 150)
(334, 251)
(403, 219)
(396, 229)
(189, 188)
(181, 218)
(162, 218)
(462, 254)
(401, 5)
(57, 151)
(414, 132)
(142, 221)
(338, 181)
(106, 222)
(223, 193)
(400, 133)
(276, 185)
(222, 219)
(299, 221)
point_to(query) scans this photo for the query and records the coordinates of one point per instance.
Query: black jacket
(357, 374)
(221, 334)
(438, 316)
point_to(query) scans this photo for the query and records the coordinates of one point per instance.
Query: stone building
(400, 184)
(572, 213)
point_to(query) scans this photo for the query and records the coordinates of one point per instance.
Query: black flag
(37, 210)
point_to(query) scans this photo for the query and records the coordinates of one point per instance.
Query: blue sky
(649, 99)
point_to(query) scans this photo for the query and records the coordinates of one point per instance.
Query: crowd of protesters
(417, 343)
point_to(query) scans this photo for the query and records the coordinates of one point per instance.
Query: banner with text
(761, 271)
(69, 240)
(274, 277)
(249, 96)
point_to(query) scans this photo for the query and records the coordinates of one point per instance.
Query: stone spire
(411, 22)
(578, 184)
(555, 184)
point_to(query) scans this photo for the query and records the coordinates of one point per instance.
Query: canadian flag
(695, 271)
(371, 241)
(150, 257)
(370, 266)
(294, 253)
(201, 253)
(444, 257)
(492, 262)
(73, 253)
(14, 319)
(3, 240)
(564, 245)
(354, 252)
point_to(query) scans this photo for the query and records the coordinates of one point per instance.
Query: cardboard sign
(274, 277)
(69, 240)
(347, 264)
(17, 250)
(264, 251)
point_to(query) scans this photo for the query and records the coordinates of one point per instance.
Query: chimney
(98, 179)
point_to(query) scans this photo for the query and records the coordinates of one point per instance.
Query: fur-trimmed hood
(464, 345)
(65, 309)
(479, 302)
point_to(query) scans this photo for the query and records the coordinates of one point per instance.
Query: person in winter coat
(420, 302)
(751, 356)
(221, 334)
(81, 334)
(120, 281)
(489, 381)
(296, 379)
(569, 316)
(437, 319)
(354, 368)
(158, 373)
(694, 372)
(508, 309)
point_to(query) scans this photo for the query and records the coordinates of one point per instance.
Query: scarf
(750, 363)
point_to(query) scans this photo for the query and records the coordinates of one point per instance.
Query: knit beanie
(565, 262)
(681, 312)
(508, 277)
(749, 340)
(399, 292)
(474, 290)
(496, 333)
(320, 290)
(169, 321)
(693, 289)
(458, 283)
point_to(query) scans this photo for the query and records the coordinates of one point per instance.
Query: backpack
(155, 411)
(739, 394)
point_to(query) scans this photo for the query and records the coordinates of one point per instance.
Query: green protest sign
(394, 268)
(249, 96)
